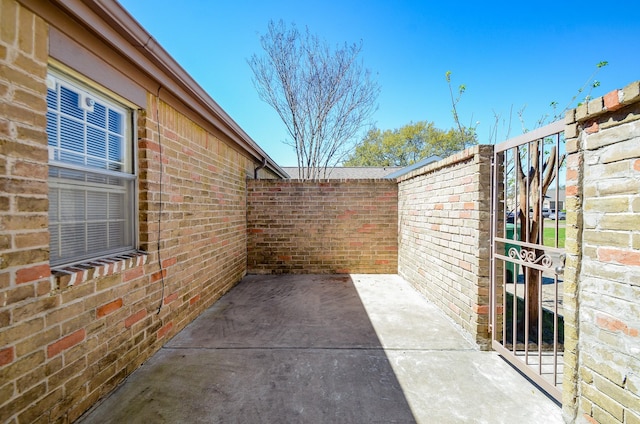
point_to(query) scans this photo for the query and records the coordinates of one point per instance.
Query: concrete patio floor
(324, 349)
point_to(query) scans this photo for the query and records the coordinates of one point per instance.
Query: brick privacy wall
(602, 277)
(444, 236)
(66, 340)
(334, 226)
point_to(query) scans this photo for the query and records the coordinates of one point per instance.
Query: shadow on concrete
(323, 349)
(273, 350)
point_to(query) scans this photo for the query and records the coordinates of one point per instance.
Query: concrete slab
(403, 319)
(259, 386)
(323, 349)
(292, 311)
(469, 387)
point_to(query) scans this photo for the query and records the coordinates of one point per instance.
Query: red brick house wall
(69, 336)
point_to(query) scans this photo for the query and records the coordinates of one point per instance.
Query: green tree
(408, 144)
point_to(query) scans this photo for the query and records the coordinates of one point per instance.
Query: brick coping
(468, 154)
(610, 102)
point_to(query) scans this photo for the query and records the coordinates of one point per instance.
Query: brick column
(602, 274)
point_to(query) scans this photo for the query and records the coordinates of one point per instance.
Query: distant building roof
(551, 193)
(350, 172)
(366, 172)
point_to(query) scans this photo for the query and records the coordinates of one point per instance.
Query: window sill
(67, 277)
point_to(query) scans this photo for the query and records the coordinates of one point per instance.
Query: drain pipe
(255, 171)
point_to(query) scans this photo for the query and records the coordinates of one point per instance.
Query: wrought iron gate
(527, 260)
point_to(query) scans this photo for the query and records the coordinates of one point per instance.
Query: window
(91, 173)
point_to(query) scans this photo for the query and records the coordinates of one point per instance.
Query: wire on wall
(160, 200)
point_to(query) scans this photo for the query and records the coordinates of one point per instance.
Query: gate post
(573, 239)
(496, 319)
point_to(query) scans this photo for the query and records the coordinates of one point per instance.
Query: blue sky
(509, 55)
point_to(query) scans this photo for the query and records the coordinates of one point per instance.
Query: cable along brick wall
(68, 338)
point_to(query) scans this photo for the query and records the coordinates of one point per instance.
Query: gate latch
(560, 268)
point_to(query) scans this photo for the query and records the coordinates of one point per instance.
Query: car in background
(558, 215)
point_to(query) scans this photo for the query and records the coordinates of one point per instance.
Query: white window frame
(81, 228)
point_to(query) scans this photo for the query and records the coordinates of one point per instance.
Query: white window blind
(91, 183)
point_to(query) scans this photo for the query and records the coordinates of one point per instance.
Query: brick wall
(69, 338)
(602, 278)
(444, 236)
(335, 226)
(24, 239)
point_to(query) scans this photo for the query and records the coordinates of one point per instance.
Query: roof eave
(173, 78)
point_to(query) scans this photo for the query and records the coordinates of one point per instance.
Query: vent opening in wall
(85, 102)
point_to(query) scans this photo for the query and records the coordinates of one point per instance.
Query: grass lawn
(549, 236)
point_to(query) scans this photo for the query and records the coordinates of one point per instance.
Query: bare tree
(533, 184)
(467, 132)
(323, 96)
